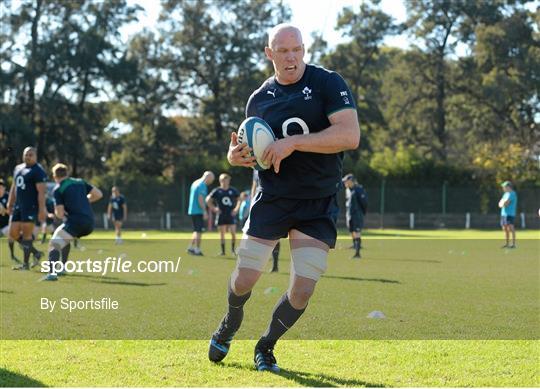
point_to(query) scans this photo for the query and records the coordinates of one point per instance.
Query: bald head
(208, 177)
(282, 31)
(286, 51)
(30, 156)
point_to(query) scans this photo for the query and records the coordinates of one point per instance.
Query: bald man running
(312, 113)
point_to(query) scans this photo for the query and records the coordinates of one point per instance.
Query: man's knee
(300, 295)
(244, 280)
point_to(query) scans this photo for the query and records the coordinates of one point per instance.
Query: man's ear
(268, 52)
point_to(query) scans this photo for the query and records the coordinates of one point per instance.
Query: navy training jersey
(71, 193)
(356, 201)
(4, 219)
(302, 108)
(225, 199)
(117, 204)
(25, 179)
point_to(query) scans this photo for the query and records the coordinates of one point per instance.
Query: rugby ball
(258, 135)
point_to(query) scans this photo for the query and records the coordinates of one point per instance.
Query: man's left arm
(343, 134)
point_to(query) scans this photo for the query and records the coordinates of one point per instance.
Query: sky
(309, 16)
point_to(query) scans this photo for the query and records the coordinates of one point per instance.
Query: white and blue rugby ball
(258, 135)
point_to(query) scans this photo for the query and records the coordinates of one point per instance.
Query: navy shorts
(507, 220)
(78, 229)
(24, 215)
(272, 217)
(198, 223)
(225, 219)
(355, 224)
(118, 217)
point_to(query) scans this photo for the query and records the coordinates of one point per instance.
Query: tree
(213, 42)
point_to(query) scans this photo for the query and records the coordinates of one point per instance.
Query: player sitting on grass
(72, 197)
(312, 113)
(223, 200)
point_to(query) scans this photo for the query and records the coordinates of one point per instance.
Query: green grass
(459, 312)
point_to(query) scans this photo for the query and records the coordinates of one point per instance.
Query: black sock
(283, 318)
(356, 244)
(65, 253)
(275, 257)
(360, 242)
(223, 248)
(54, 256)
(27, 249)
(233, 245)
(33, 250)
(11, 244)
(235, 314)
(43, 237)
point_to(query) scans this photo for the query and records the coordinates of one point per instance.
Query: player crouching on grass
(312, 113)
(72, 198)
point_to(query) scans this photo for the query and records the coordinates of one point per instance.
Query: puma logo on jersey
(271, 92)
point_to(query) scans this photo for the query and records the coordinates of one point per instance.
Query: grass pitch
(459, 312)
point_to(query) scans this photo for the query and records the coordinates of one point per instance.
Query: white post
(411, 221)
(522, 220)
(468, 220)
(168, 220)
(105, 221)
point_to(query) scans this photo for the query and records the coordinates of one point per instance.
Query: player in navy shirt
(223, 200)
(356, 208)
(117, 212)
(72, 197)
(26, 203)
(313, 115)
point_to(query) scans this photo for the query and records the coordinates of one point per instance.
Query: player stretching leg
(72, 197)
(312, 113)
(223, 200)
(26, 203)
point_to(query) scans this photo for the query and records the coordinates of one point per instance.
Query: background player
(223, 200)
(312, 113)
(26, 204)
(243, 212)
(508, 206)
(72, 198)
(197, 209)
(48, 226)
(4, 218)
(356, 208)
(117, 212)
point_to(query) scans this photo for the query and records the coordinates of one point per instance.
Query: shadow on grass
(99, 276)
(6, 291)
(11, 379)
(311, 379)
(383, 280)
(404, 260)
(128, 283)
